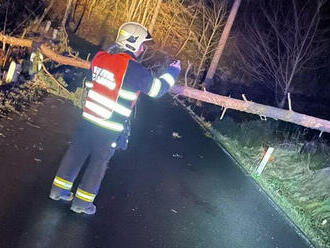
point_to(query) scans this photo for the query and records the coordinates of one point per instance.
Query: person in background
(116, 82)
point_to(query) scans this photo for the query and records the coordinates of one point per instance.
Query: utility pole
(222, 43)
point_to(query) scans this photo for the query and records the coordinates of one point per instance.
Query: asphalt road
(162, 192)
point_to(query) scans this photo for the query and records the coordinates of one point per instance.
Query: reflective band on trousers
(62, 183)
(103, 112)
(168, 78)
(104, 77)
(155, 88)
(85, 196)
(127, 95)
(107, 102)
(114, 126)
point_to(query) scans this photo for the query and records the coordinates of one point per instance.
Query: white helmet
(131, 35)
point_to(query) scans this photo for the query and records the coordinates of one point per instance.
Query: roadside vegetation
(297, 176)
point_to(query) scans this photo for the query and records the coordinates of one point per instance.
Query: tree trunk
(254, 108)
(131, 10)
(66, 14)
(44, 14)
(222, 43)
(46, 51)
(81, 17)
(74, 10)
(282, 102)
(155, 16)
(229, 103)
(145, 13)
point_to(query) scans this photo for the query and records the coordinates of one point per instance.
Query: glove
(176, 64)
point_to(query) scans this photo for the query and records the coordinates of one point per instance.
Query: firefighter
(116, 81)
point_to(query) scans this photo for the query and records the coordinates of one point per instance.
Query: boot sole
(81, 211)
(57, 198)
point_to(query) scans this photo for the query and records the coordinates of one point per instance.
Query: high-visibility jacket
(116, 82)
(108, 71)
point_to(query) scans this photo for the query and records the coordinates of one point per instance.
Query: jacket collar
(131, 54)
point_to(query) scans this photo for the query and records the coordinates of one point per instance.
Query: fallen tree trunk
(226, 102)
(254, 108)
(46, 51)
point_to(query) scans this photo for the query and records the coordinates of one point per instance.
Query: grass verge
(297, 177)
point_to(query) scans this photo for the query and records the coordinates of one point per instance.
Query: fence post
(265, 160)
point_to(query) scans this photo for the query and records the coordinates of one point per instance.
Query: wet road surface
(162, 192)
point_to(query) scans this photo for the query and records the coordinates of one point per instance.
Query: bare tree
(212, 16)
(175, 24)
(44, 14)
(66, 14)
(131, 6)
(281, 42)
(145, 13)
(91, 5)
(155, 16)
(84, 6)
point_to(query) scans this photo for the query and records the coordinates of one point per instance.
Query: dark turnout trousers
(89, 142)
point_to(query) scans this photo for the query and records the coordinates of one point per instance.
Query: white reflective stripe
(155, 88)
(89, 84)
(107, 102)
(168, 78)
(127, 95)
(85, 196)
(104, 77)
(65, 185)
(105, 82)
(104, 123)
(103, 112)
(122, 110)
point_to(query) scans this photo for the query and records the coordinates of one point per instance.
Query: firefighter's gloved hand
(176, 64)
